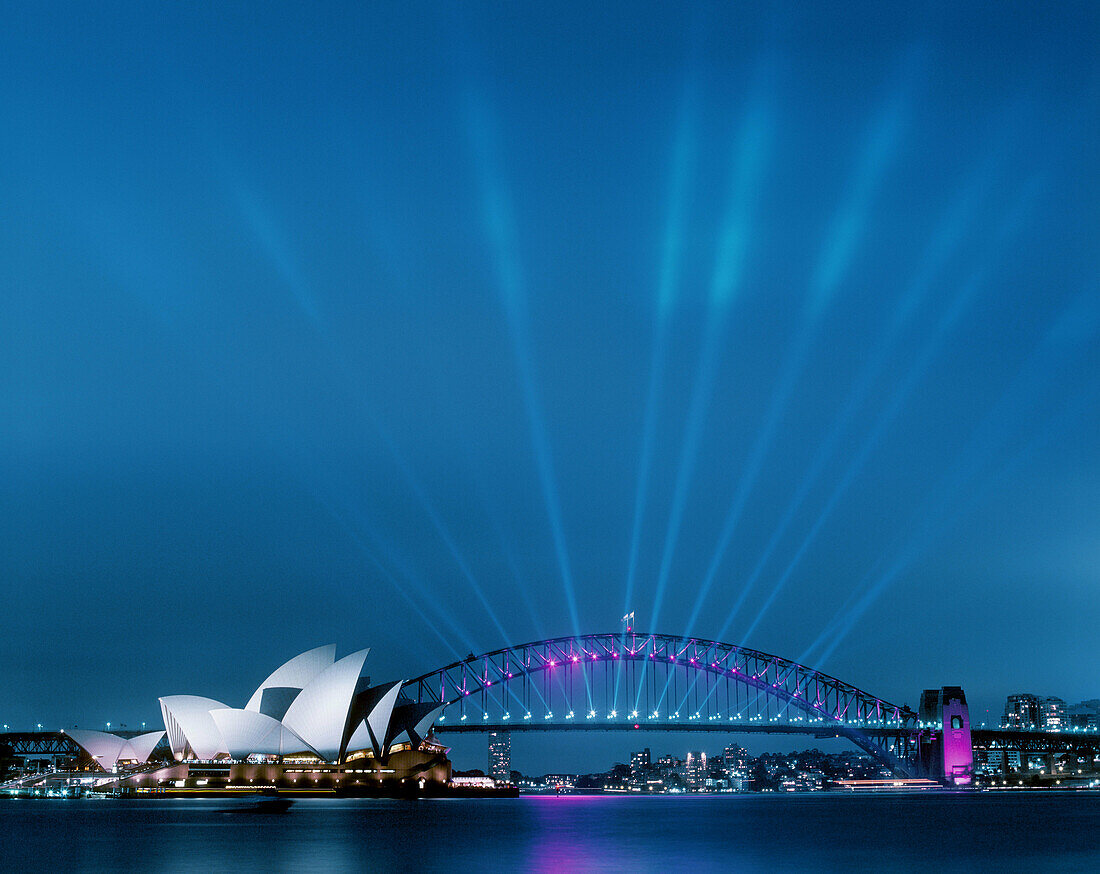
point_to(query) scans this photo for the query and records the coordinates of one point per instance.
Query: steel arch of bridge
(801, 696)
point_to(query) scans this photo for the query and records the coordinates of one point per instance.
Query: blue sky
(432, 327)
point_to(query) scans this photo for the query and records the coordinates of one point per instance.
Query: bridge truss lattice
(655, 682)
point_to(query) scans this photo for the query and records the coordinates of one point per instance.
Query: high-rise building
(736, 760)
(500, 756)
(639, 761)
(1053, 716)
(695, 768)
(1023, 711)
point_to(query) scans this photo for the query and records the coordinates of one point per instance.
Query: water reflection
(1026, 832)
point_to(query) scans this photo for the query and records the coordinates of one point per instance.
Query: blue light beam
(1074, 331)
(948, 321)
(733, 244)
(945, 241)
(499, 222)
(833, 262)
(683, 165)
(268, 235)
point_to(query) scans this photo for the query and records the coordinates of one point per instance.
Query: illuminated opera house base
(405, 771)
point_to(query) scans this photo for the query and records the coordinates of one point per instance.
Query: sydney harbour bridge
(632, 681)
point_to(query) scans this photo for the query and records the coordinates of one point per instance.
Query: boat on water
(264, 804)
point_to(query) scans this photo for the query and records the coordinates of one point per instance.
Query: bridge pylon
(946, 750)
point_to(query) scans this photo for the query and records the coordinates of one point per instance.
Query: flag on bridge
(628, 621)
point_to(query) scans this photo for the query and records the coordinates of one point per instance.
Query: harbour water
(1007, 832)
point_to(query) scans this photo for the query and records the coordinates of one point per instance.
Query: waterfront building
(1023, 711)
(989, 761)
(736, 761)
(668, 763)
(639, 762)
(1053, 714)
(500, 756)
(314, 719)
(314, 706)
(695, 769)
(560, 781)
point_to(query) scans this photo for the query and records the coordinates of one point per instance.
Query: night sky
(436, 327)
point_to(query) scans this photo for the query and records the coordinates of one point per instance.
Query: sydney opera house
(110, 751)
(316, 718)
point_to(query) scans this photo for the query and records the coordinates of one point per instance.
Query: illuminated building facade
(1053, 714)
(695, 769)
(736, 760)
(500, 756)
(1023, 711)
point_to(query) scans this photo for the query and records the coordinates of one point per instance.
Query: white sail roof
(143, 745)
(296, 673)
(107, 749)
(245, 732)
(189, 724)
(379, 717)
(319, 714)
(379, 720)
